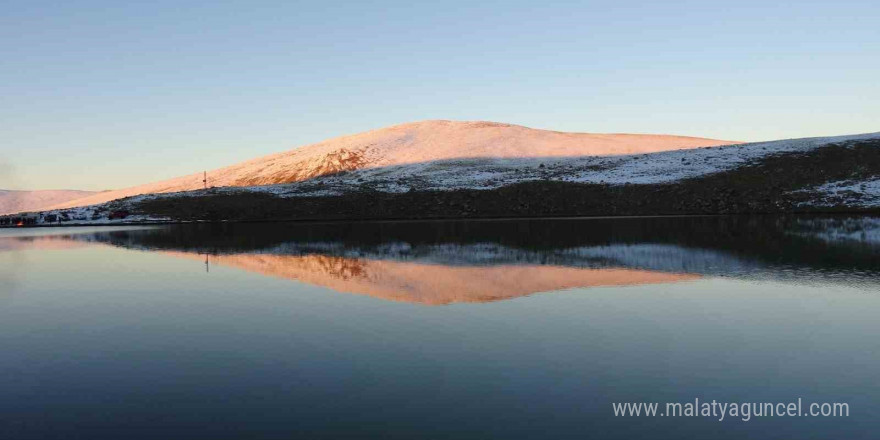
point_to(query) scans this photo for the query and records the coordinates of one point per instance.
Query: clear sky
(108, 94)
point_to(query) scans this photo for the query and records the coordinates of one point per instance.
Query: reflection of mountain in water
(658, 257)
(443, 262)
(433, 283)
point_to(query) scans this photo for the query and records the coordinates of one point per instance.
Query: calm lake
(477, 329)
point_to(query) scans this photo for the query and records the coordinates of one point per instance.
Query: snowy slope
(20, 201)
(651, 168)
(416, 144)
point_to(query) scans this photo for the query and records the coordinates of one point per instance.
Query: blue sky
(108, 94)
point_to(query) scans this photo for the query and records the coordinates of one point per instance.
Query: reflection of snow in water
(671, 258)
(832, 230)
(668, 258)
(659, 257)
(417, 282)
(644, 256)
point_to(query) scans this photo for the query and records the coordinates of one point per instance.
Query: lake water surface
(480, 329)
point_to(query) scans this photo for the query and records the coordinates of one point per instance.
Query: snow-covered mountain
(412, 143)
(435, 169)
(12, 201)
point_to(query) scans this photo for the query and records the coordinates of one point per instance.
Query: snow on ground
(661, 167)
(862, 193)
(409, 144)
(92, 215)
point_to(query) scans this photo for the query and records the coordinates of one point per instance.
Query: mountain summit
(416, 142)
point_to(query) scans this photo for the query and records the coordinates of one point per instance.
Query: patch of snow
(95, 215)
(862, 193)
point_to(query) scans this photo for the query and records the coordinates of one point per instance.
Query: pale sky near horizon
(108, 94)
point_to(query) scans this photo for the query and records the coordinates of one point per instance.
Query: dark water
(495, 329)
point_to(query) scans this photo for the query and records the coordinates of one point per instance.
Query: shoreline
(823, 213)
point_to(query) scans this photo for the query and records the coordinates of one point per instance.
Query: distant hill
(12, 201)
(412, 143)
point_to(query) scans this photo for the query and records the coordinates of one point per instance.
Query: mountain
(412, 143)
(441, 169)
(12, 201)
